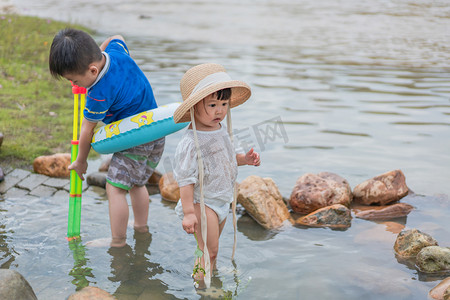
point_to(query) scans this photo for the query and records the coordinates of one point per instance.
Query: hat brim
(240, 92)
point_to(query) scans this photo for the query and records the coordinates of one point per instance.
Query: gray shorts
(134, 166)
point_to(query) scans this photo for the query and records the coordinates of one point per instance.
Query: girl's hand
(252, 158)
(190, 223)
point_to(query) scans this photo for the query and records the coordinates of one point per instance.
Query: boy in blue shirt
(116, 88)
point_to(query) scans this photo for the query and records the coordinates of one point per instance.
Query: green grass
(36, 110)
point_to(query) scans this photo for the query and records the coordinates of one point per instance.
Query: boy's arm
(106, 42)
(84, 146)
(250, 158)
(187, 201)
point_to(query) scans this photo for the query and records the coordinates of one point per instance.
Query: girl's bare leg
(213, 234)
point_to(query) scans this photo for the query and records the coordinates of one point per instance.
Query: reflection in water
(135, 272)
(6, 254)
(80, 271)
(252, 230)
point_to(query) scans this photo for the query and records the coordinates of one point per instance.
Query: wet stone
(32, 181)
(97, 179)
(14, 286)
(43, 191)
(95, 192)
(58, 183)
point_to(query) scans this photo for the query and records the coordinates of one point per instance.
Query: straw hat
(203, 80)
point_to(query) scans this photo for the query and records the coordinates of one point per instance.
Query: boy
(116, 89)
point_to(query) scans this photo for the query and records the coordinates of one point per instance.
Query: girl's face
(210, 112)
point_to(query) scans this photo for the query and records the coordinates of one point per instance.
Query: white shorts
(220, 210)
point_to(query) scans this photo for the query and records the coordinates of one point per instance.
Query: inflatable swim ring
(136, 130)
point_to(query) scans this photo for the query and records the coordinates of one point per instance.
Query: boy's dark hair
(224, 94)
(72, 51)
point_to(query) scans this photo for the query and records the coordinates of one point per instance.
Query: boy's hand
(80, 168)
(190, 223)
(252, 158)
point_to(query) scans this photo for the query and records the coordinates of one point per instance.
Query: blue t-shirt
(121, 89)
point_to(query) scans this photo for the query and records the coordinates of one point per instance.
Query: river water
(357, 88)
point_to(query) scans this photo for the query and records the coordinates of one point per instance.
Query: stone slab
(12, 179)
(58, 183)
(19, 173)
(67, 187)
(61, 194)
(8, 183)
(43, 191)
(15, 193)
(32, 181)
(7, 170)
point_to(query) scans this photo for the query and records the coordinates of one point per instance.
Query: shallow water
(352, 87)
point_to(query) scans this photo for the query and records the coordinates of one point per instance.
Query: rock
(312, 192)
(155, 178)
(2, 175)
(91, 292)
(410, 242)
(97, 179)
(104, 166)
(383, 212)
(53, 165)
(263, 201)
(1, 139)
(441, 291)
(168, 188)
(14, 286)
(382, 189)
(433, 259)
(333, 216)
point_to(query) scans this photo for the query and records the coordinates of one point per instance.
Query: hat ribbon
(210, 80)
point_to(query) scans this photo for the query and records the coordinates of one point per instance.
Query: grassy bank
(35, 109)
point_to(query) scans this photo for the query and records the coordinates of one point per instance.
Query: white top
(219, 163)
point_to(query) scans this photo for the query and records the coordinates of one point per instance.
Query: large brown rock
(263, 201)
(312, 192)
(441, 291)
(168, 187)
(155, 178)
(410, 242)
(382, 189)
(333, 216)
(384, 212)
(91, 292)
(53, 165)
